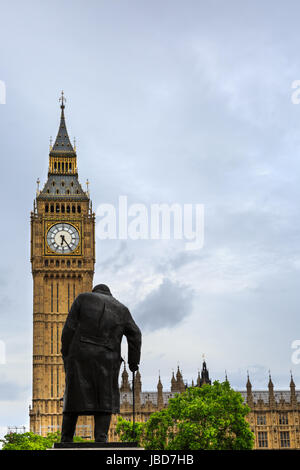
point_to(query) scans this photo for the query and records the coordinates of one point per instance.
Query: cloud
(170, 113)
(120, 258)
(166, 306)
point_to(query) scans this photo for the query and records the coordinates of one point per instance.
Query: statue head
(102, 288)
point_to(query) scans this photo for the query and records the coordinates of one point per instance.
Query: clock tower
(62, 260)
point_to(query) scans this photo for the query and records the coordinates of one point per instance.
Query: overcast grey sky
(170, 101)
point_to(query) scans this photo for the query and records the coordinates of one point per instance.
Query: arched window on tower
(73, 209)
(57, 208)
(68, 209)
(52, 208)
(47, 208)
(79, 208)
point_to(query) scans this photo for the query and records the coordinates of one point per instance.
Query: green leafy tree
(31, 441)
(28, 441)
(126, 432)
(209, 417)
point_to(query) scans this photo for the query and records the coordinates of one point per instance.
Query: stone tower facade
(62, 260)
(275, 416)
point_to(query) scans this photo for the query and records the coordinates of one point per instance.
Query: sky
(185, 102)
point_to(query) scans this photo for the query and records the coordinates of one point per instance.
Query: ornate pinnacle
(63, 100)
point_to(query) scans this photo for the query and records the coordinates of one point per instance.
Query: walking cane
(133, 404)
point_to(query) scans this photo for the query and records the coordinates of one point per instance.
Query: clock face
(63, 238)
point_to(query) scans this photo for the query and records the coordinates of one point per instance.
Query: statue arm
(70, 327)
(134, 340)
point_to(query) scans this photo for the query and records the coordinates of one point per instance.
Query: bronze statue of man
(91, 350)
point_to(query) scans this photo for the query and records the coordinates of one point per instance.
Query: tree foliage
(126, 432)
(31, 441)
(209, 417)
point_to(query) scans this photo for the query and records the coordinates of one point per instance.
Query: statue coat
(91, 350)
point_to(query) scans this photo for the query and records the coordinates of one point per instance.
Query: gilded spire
(204, 374)
(38, 186)
(293, 398)
(271, 389)
(249, 390)
(179, 380)
(125, 385)
(178, 374)
(292, 383)
(62, 145)
(62, 99)
(173, 382)
(270, 385)
(160, 400)
(137, 380)
(159, 381)
(249, 386)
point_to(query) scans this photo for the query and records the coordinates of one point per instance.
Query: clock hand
(66, 242)
(62, 239)
(68, 245)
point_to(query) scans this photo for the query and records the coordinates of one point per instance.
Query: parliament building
(274, 417)
(63, 260)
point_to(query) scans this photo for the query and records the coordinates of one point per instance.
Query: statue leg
(68, 427)
(102, 422)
